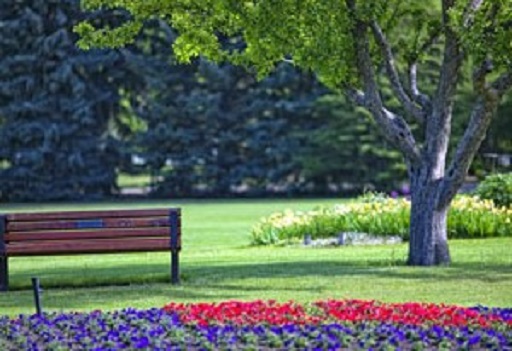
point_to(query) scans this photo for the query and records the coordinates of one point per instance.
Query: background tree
(55, 104)
(213, 130)
(344, 42)
(499, 137)
(157, 108)
(345, 151)
(276, 117)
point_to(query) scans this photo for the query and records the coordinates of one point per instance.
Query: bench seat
(89, 232)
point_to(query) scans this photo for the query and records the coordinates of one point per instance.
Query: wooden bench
(89, 232)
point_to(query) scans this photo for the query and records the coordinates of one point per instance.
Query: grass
(125, 180)
(217, 264)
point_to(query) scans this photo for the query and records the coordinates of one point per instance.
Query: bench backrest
(53, 233)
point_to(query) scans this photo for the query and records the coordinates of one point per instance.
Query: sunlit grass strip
(469, 217)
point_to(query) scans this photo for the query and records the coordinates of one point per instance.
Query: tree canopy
(313, 34)
(359, 48)
(331, 38)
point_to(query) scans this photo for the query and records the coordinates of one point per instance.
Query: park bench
(89, 232)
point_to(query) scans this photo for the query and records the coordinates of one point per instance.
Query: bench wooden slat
(79, 247)
(120, 222)
(87, 234)
(42, 216)
(90, 232)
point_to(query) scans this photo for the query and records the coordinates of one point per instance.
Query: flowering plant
(329, 311)
(236, 325)
(379, 215)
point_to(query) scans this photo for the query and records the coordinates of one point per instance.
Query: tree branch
(438, 125)
(356, 96)
(480, 75)
(480, 120)
(422, 99)
(503, 83)
(451, 64)
(393, 127)
(471, 8)
(410, 106)
(481, 116)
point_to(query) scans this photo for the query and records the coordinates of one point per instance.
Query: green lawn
(125, 180)
(217, 264)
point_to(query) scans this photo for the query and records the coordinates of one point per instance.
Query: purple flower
(405, 189)
(154, 330)
(474, 340)
(142, 343)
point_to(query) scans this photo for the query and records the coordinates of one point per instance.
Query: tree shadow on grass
(218, 273)
(378, 269)
(68, 289)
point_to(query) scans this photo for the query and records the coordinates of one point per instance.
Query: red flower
(275, 313)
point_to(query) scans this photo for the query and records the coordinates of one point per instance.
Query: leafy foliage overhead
(315, 34)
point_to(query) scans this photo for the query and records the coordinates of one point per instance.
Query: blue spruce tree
(56, 102)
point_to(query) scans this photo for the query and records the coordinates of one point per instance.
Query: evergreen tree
(55, 105)
(171, 138)
(213, 130)
(500, 134)
(284, 107)
(347, 153)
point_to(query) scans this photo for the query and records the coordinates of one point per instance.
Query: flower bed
(325, 325)
(378, 215)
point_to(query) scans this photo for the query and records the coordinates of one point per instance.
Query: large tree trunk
(433, 185)
(428, 243)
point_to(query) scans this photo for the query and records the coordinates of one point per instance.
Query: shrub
(498, 188)
(469, 217)
(377, 215)
(289, 225)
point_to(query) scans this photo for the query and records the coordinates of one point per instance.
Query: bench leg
(175, 270)
(4, 273)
